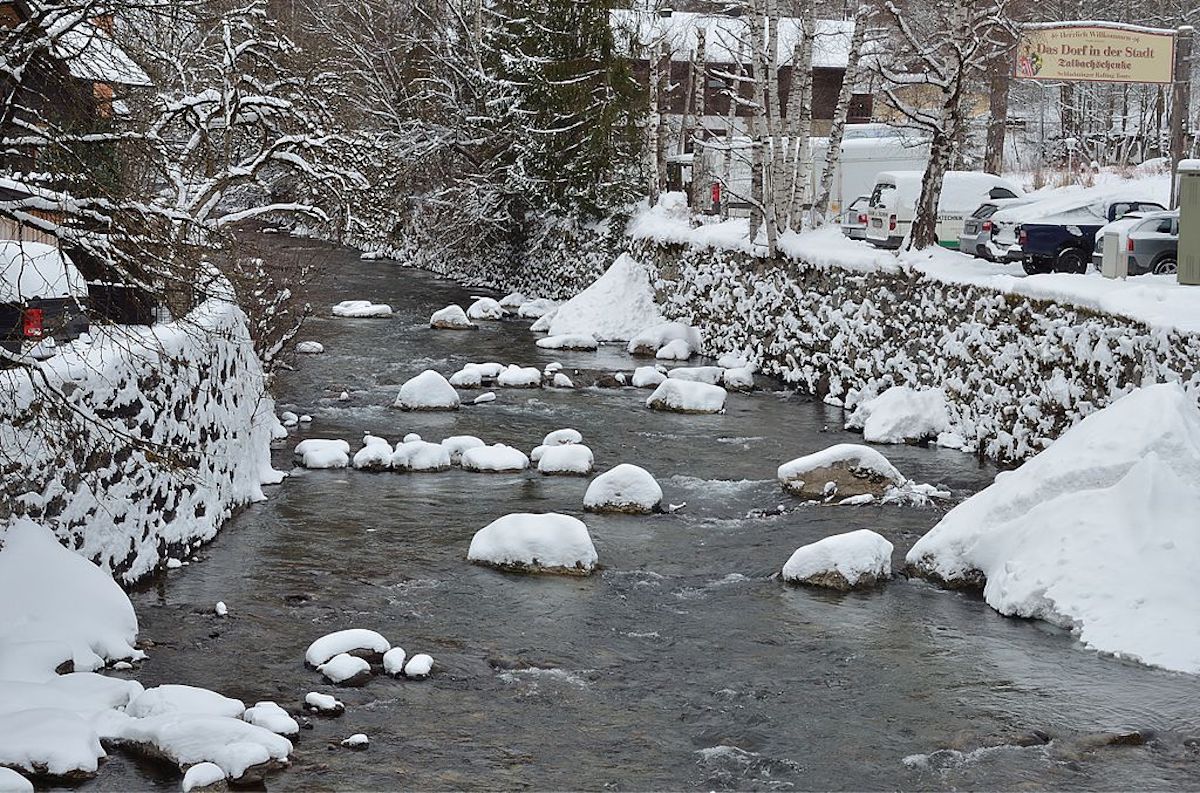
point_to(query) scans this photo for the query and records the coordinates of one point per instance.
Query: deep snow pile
(625, 488)
(616, 307)
(686, 396)
(427, 391)
(843, 561)
(901, 414)
(361, 309)
(1097, 533)
(544, 543)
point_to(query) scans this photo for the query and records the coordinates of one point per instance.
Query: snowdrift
(618, 306)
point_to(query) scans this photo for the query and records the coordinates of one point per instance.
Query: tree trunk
(802, 76)
(838, 129)
(731, 122)
(663, 135)
(760, 214)
(993, 159)
(652, 127)
(778, 184)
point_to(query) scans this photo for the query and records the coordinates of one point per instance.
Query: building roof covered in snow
(91, 54)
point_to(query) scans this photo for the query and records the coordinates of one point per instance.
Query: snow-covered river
(684, 663)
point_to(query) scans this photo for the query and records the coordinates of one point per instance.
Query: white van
(893, 204)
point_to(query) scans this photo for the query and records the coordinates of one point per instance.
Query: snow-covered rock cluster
(351, 656)
(194, 384)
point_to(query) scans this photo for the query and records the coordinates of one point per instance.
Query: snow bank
(625, 488)
(568, 341)
(685, 396)
(574, 458)
(455, 445)
(310, 347)
(1096, 533)
(614, 308)
(520, 377)
(544, 543)
(844, 561)
(323, 453)
(542, 323)
(450, 318)
(420, 455)
(652, 339)
(361, 309)
(485, 308)
(427, 391)
(494, 459)
(844, 469)
(902, 414)
(647, 377)
(356, 641)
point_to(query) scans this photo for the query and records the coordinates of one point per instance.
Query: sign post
(1180, 95)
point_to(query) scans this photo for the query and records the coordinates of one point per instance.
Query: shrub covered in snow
(625, 488)
(427, 391)
(494, 459)
(362, 309)
(419, 455)
(485, 308)
(515, 376)
(529, 543)
(650, 340)
(647, 377)
(847, 561)
(450, 318)
(1097, 533)
(457, 444)
(615, 308)
(323, 453)
(685, 396)
(568, 342)
(362, 642)
(902, 414)
(574, 458)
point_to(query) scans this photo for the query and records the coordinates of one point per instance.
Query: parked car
(893, 205)
(43, 298)
(1150, 242)
(978, 234)
(1064, 242)
(854, 219)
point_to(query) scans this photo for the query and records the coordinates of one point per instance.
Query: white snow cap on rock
(470, 376)
(457, 444)
(519, 377)
(494, 459)
(427, 391)
(686, 396)
(350, 640)
(344, 668)
(618, 305)
(1097, 533)
(393, 661)
(420, 456)
(562, 437)
(323, 453)
(485, 308)
(855, 456)
(674, 350)
(175, 699)
(842, 561)
(568, 341)
(358, 740)
(542, 323)
(547, 542)
(410, 437)
(537, 308)
(698, 374)
(373, 456)
(419, 666)
(361, 309)
(50, 740)
(484, 398)
(625, 488)
(647, 377)
(270, 716)
(560, 380)
(574, 458)
(450, 318)
(232, 744)
(650, 340)
(310, 347)
(203, 775)
(902, 414)
(513, 300)
(325, 703)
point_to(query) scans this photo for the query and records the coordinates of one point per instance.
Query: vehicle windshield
(884, 195)
(985, 211)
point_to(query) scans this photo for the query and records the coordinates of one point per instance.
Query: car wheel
(1070, 261)
(1166, 267)
(1031, 267)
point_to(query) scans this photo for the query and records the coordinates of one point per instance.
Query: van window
(985, 211)
(1001, 192)
(884, 195)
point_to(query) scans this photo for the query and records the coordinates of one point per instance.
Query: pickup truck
(1064, 243)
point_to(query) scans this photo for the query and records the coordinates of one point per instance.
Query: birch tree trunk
(776, 206)
(652, 126)
(803, 78)
(731, 122)
(758, 192)
(837, 130)
(664, 101)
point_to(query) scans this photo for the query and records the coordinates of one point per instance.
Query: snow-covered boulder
(346, 670)
(450, 318)
(489, 370)
(361, 642)
(675, 350)
(485, 308)
(698, 374)
(732, 360)
(49, 741)
(484, 398)
(686, 396)
(455, 445)
(560, 380)
(410, 437)
(571, 459)
(375, 455)
(536, 308)
(243, 751)
(618, 305)
(420, 456)
(358, 741)
(568, 341)
(901, 415)
(625, 488)
(270, 716)
(513, 300)
(324, 704)
(529, 543)
(562, 437)
(427, 391)
(362, 309)
(647, 377)
(12, 782)
(470, 376)
(739, 379)
(520, 377)
(843, 470)
(497, 458)
(175, 698)
(393, 661)
(418, 667)
(310, 347)
(650, 340)
(853, 560)
(1098, 533)
(323, 453)
(204, 776)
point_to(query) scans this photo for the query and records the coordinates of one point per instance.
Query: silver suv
(1151, 243)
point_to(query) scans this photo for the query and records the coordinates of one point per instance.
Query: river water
(684, 663)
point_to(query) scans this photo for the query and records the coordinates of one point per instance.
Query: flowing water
(683, 663)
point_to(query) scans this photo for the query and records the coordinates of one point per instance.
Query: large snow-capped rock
(843, 470)
(535, 543)
(698, 374)
(568, 341)
(243, 751)
(346, 670)
(420, 456)
(562, 437)
(647, 377)
(361, 309)
(362, 642)
(323, 453)
(650, 340)
(427, 391)
(515, 376)
(497, 458)
(375, 455)
(536, 308)
(455, 445)
(1099, 533)
(470, 376)
(485, 308)
(450, 318)
(625, 488)
(569, 459)
(618, 305)
(686, 396)
(902, 414)
(847, 561)
(176, 698)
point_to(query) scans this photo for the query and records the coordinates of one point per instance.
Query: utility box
(1113, 263)
(1189, 222)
